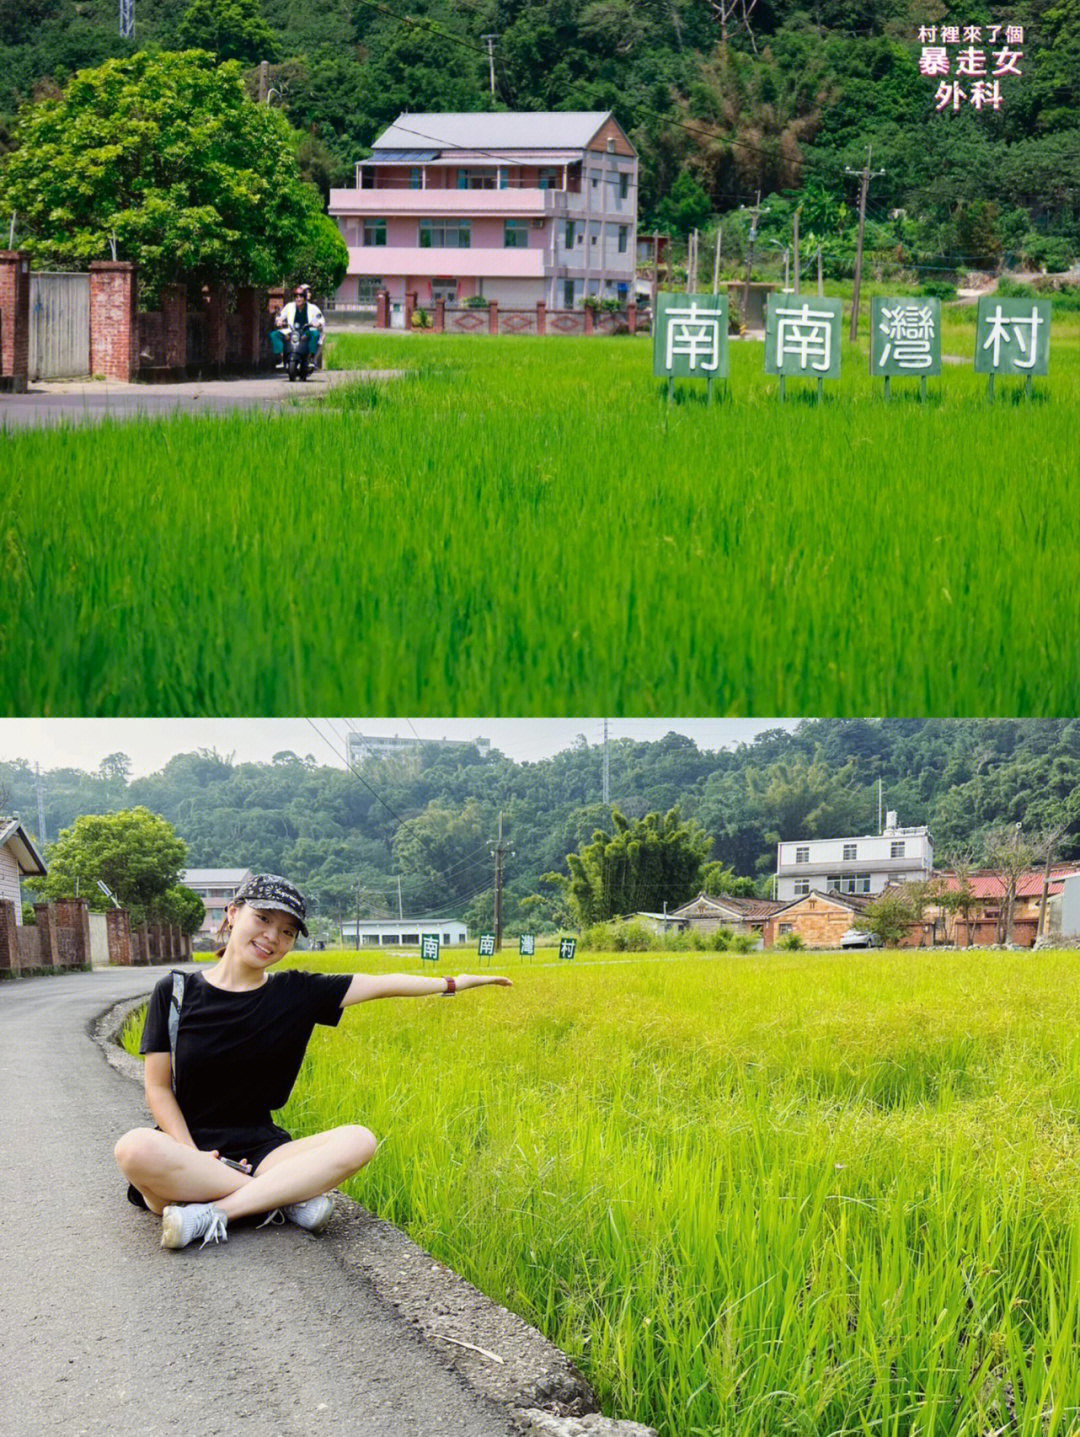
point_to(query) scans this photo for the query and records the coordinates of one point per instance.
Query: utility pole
(758, 212)
(264, 80)
(400, 910)
(490, 41)
(499, 852)
(866, 175)
(42, 837)
(655, 272)
(358, 892)
(716, 260)
(607, 767)
(795, 247)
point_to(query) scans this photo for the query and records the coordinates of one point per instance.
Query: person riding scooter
(298, 333)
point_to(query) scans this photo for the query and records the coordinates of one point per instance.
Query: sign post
(429, 947)
(527, 945)
(905, 338)
(691, 338)
(486, 946)
(1012, 337)
(567, 948)
(802, 337)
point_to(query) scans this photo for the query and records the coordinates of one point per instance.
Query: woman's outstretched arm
(366, 986)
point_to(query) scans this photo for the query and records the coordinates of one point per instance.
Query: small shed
(19, 859)
(749, 300)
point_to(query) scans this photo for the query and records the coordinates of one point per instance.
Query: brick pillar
(631, 318)
(590, 319)
(140, 946)
(440, 316)
(493, 316)
(411, 303)
(541, 317)
(118, 931)
(382, 309)
(73, 915)
(247, 307)
(216, 332)
(14, 321)
(157, 953)
(48, 937)
(9, 938)
(113, 351)
(174, 311)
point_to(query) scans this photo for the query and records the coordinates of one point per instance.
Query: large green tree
(642, 865)
(136, 853)
(231, 29)
(165, 156)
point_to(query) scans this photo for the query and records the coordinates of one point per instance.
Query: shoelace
(277, 1217)
(215, 1231)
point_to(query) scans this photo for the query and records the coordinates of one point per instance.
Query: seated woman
(239, 1037)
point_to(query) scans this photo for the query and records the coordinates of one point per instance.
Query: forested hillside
(721, 97)
(432, 821)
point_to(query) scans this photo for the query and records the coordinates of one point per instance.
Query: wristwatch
(451, 987)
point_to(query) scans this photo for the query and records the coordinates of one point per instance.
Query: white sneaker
(182, 1223)
(313, 1214)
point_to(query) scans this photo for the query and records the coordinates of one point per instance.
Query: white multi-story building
(215, 886)
(516, 208)
(866, 864)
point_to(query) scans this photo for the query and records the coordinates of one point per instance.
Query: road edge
(493, 1350)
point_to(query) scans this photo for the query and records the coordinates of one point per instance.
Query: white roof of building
(218, 876)
(397, 922)
(553, 130)
(15, 837)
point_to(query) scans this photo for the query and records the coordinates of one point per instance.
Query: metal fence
(59, 326)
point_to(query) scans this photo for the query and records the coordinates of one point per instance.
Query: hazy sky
(150, 743)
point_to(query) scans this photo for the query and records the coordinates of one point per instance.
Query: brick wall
(14, 321)
(118, 929)
(73, 932)
(9, 938)
(113, 351)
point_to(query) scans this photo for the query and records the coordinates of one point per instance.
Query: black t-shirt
(238, 1054)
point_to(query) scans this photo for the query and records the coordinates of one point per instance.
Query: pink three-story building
(515, 208)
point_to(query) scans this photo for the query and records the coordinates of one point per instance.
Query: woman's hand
(242, 1166)
(481, 980)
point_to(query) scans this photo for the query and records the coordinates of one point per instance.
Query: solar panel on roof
(401, 157)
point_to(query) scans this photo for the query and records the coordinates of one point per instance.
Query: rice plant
(806, 1194)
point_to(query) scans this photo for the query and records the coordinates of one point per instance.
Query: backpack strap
(176, 1002)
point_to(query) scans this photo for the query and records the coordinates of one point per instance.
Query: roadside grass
(526, 526)
(805, 1193)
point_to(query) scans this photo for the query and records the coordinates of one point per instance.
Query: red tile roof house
(515, 208)
(987, 916)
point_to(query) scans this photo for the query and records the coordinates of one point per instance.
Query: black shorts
(236, 1143)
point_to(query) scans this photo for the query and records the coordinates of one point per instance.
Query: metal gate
(59, 326)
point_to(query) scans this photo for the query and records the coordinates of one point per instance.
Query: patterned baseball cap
(270, 890)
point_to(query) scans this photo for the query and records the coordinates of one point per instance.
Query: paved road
(89, 402)
(276, 1333)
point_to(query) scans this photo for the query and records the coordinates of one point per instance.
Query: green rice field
(800, 1193)
(525, 526)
